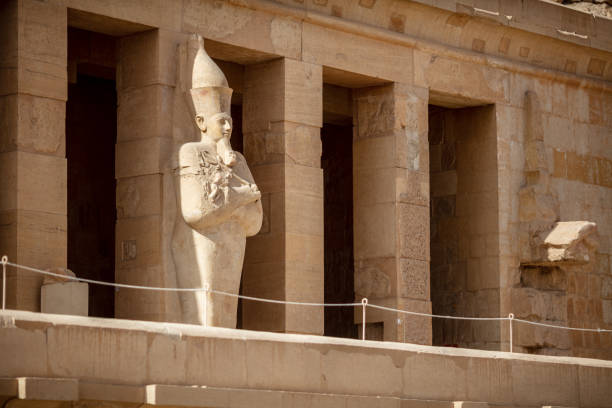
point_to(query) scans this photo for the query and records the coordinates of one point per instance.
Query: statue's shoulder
(241, 167)
(188, 148)
(195, 150)
(239, 156)
(194, 155)
(241, 162)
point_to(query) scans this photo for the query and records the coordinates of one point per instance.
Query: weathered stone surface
(477, 82)
(50, 389)
(545, 278)
(298, 101)
(33, 182)
(32, 124)
(571, 241)
(70, 298)
(282, 114)
(371, 281)
(533, 304)
(391, 193)
(567, 242)
(143, 113)
(350, 52)
(414, 279)
(375, 231)
(414, 231)
(139, 196)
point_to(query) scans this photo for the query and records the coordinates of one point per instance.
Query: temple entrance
(91, 134)
(464, 225)
(337, 165)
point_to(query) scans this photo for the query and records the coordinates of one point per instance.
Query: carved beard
(225, 152)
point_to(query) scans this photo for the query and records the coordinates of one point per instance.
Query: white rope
(554, 326)
(162, 289)
(4, 262)
(390, 309)
(284, 302)
(95, 282)
(287, 302)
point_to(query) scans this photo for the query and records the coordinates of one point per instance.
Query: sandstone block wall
(33, 93)
(402, 56)
(146, 80)
(282, 117)
(574, 121)
(391, 215)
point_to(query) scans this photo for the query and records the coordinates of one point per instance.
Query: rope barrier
(284, 302)
(206, 289)
(118, 285)
(4, 262)
(554, 326)
(390, 309)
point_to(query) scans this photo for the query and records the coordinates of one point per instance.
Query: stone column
(391, 207)
(33, 93)
(282, 117)
(145, 193)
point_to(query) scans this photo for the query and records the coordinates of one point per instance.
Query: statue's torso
(221, 185)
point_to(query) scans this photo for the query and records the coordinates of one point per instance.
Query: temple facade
(445, 157)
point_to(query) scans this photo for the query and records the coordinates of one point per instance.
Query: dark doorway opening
(91, 134)
(237, 142)
(337, 164)
(464, 227)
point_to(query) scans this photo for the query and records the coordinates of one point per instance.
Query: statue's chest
(211, 169)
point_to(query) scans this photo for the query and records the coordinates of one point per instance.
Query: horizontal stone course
(134, 353)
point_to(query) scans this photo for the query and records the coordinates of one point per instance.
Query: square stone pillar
(33, 93)
(391, 207)
(282, 119)
(146, 79)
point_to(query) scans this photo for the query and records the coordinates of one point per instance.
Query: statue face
(217, 127)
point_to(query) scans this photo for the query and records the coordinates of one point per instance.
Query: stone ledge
(170, 359)
(215, 397)
(542, 17)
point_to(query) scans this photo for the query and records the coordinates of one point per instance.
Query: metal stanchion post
(511, 317)
(4, 261)
(205, 304)
(364, 304)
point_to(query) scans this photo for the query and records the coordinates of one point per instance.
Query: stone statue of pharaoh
(218, 200)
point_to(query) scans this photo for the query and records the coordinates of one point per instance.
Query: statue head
(211, 96)
(217, 126)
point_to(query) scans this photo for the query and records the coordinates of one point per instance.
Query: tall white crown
(209, 89)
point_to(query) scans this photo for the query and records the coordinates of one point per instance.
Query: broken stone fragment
(571, 242)
(56, 279)
(568, 242)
